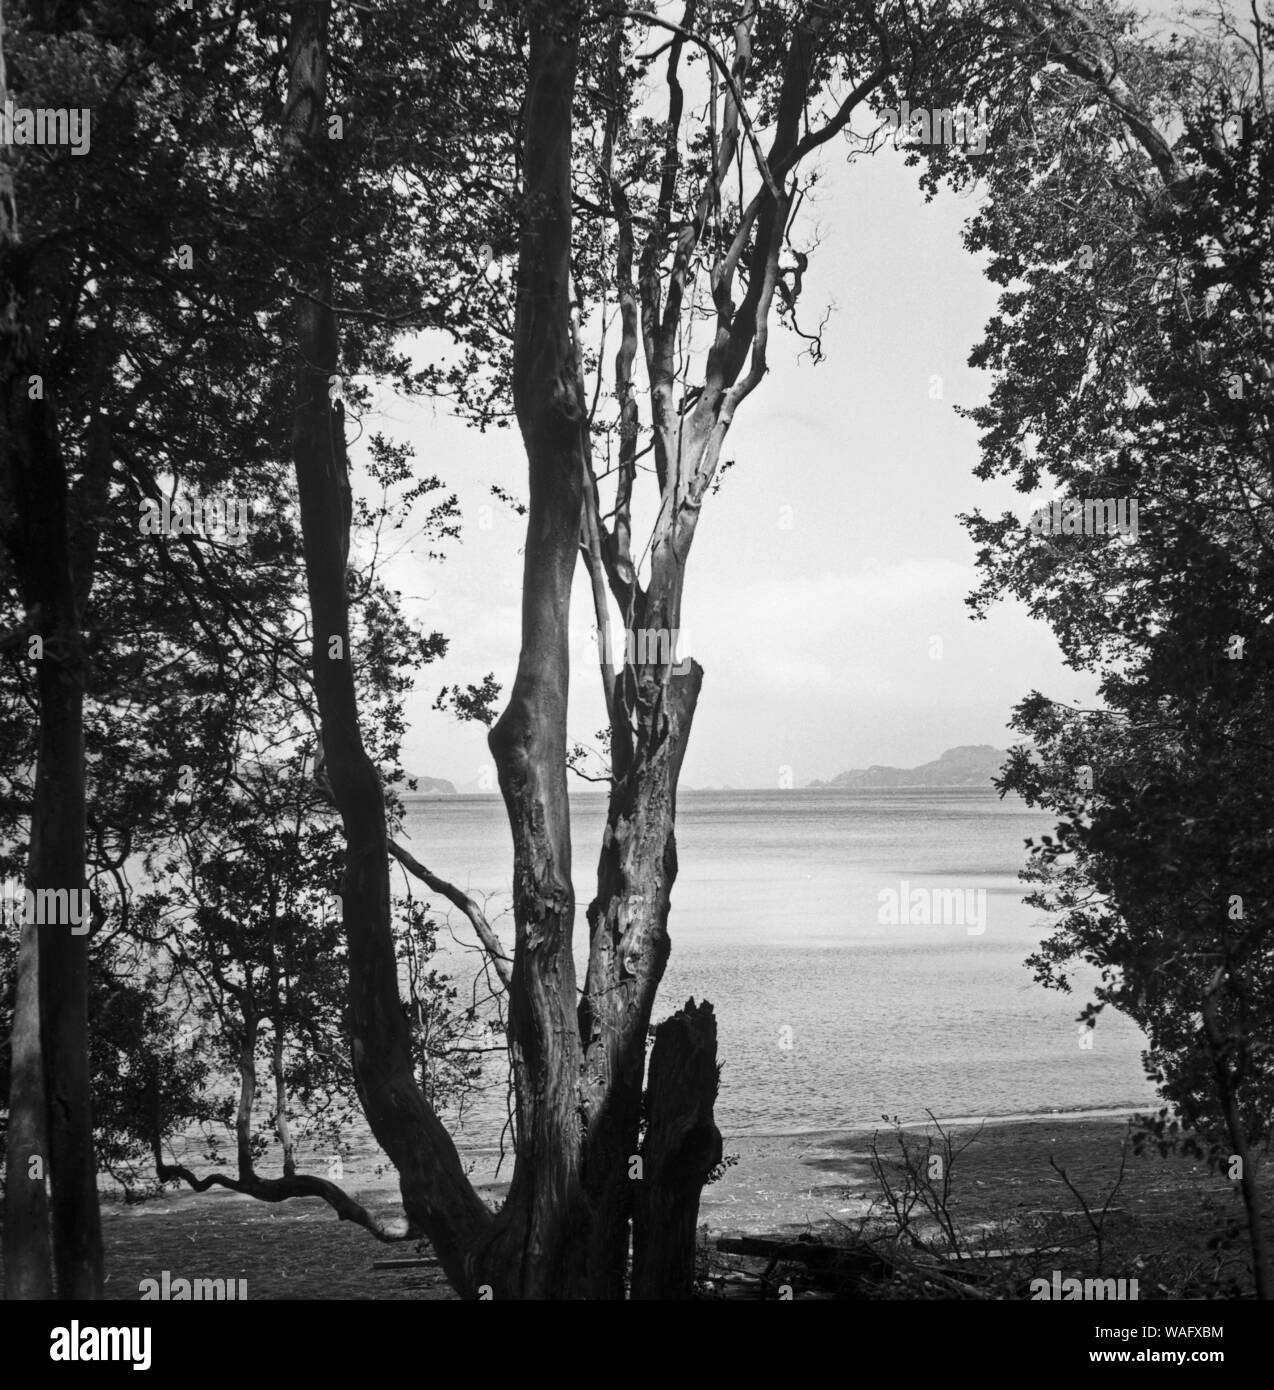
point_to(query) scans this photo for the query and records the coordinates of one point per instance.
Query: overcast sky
(816, 635)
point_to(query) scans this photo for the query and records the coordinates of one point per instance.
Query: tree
(1132, 355)
(147, 278)
(578, 1073)
(50, 1121)
(679, 221)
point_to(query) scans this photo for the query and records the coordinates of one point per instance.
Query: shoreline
(1024, 1117)
(1014, 1117)
(369, 1171)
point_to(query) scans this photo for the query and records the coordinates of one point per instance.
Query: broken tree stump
(681, 1148)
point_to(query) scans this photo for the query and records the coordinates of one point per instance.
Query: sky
(825, 592)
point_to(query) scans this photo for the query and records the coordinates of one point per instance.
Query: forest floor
(781, 1185)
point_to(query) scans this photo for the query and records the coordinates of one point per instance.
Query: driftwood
(846, 1270)
(834, 1268)
(811, 1253)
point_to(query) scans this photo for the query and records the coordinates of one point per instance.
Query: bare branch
(486, 933)
(283, 1189)
(719, 63)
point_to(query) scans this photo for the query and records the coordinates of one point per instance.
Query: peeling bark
(628, 952)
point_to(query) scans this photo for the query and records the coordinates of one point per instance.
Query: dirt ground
(1163, 1213)
(781, 1185)
(296, 1250)
(793, 1183)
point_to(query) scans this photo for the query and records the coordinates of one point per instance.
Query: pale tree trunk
(286, 1142)
(652, 703)
(50, 1121)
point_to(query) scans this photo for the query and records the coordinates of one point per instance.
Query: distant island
(971, 765)
(436, 785)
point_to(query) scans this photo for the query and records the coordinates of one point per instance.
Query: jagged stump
(681, 1148)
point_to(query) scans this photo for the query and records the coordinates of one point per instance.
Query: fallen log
(826, 1266)
(838, 1266)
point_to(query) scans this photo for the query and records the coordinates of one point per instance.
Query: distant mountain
(971, 765)
(433, 785)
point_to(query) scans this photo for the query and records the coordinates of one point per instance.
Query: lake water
(827, 1015)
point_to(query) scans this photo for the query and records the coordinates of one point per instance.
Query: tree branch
(486, 933)
(719, 63)
(283, 1189)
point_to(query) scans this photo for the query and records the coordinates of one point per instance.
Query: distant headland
(432, 786)
(970, 765)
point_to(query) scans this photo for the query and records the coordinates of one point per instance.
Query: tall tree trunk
(50, 1118)
(436, 1194)
(28, 1257)
(536, 1250)
(57, 859)
(40, 544)
(650, 707)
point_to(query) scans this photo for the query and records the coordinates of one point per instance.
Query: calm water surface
(826, 1017)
